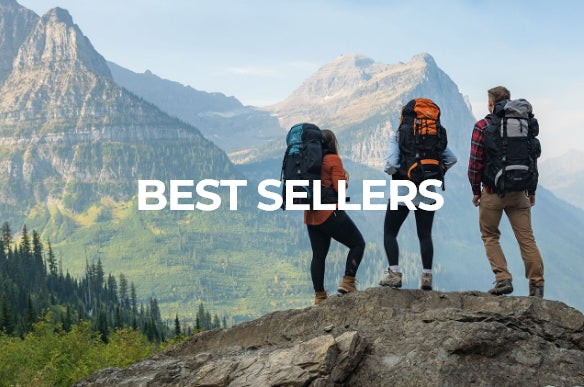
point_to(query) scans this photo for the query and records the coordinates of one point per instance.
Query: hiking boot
(347, 285)
(319, 297)
(426, 281)
(393, 279)
(502, 287)
(536, 291)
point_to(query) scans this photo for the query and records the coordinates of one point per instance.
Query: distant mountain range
(223, 120)
(78, 132)
(564, 176)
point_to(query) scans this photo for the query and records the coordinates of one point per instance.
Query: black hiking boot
(502, 287)
(536, 291)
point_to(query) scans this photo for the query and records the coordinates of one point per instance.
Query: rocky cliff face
(68, 131)
(18, 22)
(380, 337)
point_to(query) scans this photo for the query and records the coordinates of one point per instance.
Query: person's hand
(476, 199)
(347, 176)
(532, 200)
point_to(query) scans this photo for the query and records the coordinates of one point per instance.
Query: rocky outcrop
(380, 337)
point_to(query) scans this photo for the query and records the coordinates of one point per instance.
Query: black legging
(394, 220)
(341, 228)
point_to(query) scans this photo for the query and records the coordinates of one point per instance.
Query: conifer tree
(133, 299)
(67, 321)
(177, 330)
(51, 261)
(29, 317)
(6, 318)
(102, 326)
(112, 288)
(117, 317)
(124, 299)
(24, 241)
(6, 236)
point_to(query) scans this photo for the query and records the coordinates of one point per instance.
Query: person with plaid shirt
(516, 205)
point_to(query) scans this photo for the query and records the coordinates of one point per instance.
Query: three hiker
(498, 194)
(502, 172)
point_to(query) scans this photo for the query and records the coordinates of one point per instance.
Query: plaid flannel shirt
(476, 162)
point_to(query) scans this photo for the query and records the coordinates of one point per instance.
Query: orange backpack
(422, 140)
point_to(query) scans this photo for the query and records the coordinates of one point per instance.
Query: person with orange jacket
(324, 225)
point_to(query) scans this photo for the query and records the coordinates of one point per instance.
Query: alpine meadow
(78, 133)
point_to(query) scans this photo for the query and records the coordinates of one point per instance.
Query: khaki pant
(518, 209)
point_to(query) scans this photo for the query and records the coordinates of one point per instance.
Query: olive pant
(517, 207)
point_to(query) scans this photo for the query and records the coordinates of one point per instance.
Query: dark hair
(499, 93)
(330, 140)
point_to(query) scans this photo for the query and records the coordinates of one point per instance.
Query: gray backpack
(512, 148)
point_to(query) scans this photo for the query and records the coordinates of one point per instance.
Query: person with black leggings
(395, 218)
(324, 225)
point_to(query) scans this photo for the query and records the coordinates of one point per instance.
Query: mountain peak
(11, 3)
(337, 79)
(355, 60)
(56, 65)
(423, 58)
(58, 15)
(63, 42)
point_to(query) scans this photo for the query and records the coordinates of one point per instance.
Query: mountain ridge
(564, 176)
(217, 116)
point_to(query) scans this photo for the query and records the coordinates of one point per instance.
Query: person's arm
(476, 163)
(338, 172)
(448, 158)
(392, 159)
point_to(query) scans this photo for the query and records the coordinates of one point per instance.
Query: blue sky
(261, 50)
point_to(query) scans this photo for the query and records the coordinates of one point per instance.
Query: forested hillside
(65, 327)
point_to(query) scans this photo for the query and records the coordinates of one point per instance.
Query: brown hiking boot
(393, 279)
(347, 285)
(319, 297)
(426, 281)
(502, 287)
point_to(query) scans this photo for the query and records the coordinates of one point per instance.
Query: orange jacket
(331, 172)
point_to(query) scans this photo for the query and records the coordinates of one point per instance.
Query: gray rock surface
(378, 337)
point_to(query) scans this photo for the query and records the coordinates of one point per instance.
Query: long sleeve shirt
(476, 162)
(332, 171)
